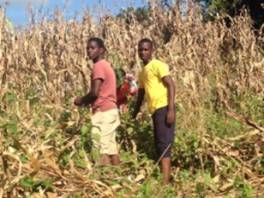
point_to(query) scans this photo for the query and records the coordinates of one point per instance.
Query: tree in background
(140, 14)
(234, 7)
(210, 7)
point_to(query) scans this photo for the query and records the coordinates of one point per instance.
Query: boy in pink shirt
(102, 98)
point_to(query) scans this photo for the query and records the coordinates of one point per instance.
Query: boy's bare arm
(140, 97)
(91, 96)
(168, 82)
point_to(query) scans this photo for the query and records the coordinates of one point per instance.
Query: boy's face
(93, 50)
(145, 51)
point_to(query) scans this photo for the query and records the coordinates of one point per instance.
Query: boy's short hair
(146, 40)
(98, 41)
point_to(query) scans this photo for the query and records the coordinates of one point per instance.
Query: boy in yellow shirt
(155, 82)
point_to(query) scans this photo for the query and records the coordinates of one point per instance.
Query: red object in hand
(128, 88)
(122, 93)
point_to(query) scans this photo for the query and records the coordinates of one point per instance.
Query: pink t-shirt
(107, 93)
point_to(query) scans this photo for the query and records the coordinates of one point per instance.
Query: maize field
(218, 70)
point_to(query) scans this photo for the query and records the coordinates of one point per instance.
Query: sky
(17, 10)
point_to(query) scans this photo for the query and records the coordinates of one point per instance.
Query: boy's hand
(78, 101)
(170, 117)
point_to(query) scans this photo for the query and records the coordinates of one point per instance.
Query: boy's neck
(146, 62)
(97, 59)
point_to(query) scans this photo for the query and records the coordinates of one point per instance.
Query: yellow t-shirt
(150, 78)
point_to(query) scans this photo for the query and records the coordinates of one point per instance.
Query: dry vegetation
(219, 76)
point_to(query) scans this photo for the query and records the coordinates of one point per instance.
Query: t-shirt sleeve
(140, 80)
(98, 72)
(162, 69)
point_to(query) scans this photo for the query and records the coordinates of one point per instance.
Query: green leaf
(84, 129)
(10, 97)
(10, 127)
(26, 182)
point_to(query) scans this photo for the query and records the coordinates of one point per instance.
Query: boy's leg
(97, 135)
(164, 137)
(165, 168)
(108, 138)
(104, 160)
(115, 159)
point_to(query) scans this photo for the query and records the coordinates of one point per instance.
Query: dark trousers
(163, 132)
